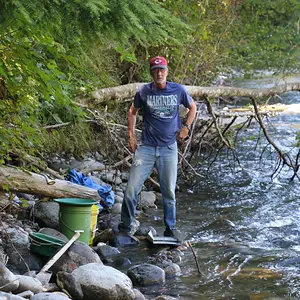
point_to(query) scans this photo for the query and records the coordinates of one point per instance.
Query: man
(160, 101)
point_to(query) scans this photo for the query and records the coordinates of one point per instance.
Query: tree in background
(46, 57)
(51, 51)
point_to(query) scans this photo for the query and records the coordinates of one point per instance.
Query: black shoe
(175, 233)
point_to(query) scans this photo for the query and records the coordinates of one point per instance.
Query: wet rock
(124, 240)
(8, 281)
(103, 237)
(28, 283)
(164, 297)
(46, 214)
(171, 269)
(138, 295)
(121, 262)
(173, 255)
(107, 252)
(104, 280)
(143, 231)
(49, 296)
(77, 255)
(146, 274)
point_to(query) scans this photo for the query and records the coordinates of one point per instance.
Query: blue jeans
(165, 160)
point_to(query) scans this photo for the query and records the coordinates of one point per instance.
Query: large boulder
(95, 281)
(146, 274)
(77, 255)
(8, 281)
(28, 283)
(47, 214)
(49, 296)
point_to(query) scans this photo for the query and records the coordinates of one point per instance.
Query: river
(243, 224)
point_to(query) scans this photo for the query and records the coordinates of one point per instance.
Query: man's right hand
(132, 143)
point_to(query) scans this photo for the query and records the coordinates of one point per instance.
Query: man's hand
(132, 143)
(183, 133)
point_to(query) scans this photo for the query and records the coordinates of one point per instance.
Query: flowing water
(244, 225)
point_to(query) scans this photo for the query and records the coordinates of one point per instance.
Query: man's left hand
(183, 133)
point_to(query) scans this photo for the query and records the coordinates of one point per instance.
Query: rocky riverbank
(102, 270)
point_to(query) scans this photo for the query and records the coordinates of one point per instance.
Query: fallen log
(16, 180)
(128, 91)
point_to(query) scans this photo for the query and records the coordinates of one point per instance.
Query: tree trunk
(128, 91)
(27, 182)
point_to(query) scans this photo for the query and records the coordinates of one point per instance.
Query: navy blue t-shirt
(161, 120)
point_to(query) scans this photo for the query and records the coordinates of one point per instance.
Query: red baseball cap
(158, 62)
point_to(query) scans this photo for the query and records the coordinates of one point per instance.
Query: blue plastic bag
(105, 191)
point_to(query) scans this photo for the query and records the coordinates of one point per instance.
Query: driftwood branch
(128, 91)
(210, 110)
(286, 160)
(17, 180)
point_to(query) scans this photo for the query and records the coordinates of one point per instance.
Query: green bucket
(75, 214)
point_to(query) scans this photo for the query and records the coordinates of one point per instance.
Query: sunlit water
(243, 224)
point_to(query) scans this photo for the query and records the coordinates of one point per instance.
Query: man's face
(159, 76)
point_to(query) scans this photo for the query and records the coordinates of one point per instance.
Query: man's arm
(131, 126)
(184, 132)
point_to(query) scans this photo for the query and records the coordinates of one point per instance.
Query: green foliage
(76, 139)
(267, 35)
(51, 51)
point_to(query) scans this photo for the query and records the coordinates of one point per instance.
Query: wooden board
(162, 240)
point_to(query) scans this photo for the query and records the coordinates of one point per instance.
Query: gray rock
(125, 176)
(89, 165)
(116, 209)
(18, 236)
(8, 281)
(26, 294)
(165, 297)
(107, 252)
(53, 232)
(138, 295)
(103, 237)
(109, 221)
(118, 199)
(146, 274)
(28, 283)
(119, 193)
(171, 269)
(148, 199)
(49, 296)
(23, 259)
(144, 230)
(47, 213)
(94, 280)
(77, 255)
(7, 296)
(97, 180)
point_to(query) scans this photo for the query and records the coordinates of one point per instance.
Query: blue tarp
(105, 191)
